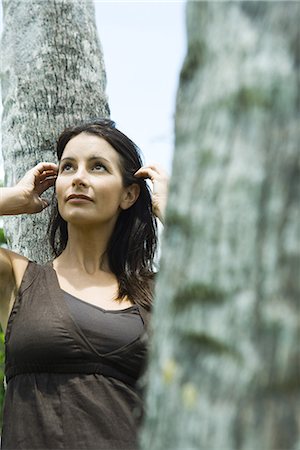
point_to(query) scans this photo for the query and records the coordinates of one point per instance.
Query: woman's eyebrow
(91, 158)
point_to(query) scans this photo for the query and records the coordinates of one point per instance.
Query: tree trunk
(52, 77)
(224, 362)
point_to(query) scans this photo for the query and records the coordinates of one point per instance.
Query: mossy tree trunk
(52, 76)
(224, 361)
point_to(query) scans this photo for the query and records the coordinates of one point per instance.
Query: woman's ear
(130, 195)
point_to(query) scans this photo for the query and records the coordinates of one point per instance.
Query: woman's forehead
(86, 146)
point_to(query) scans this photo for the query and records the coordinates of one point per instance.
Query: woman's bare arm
(160, 181)
(24, 198)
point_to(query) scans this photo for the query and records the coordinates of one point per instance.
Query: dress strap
(146, 315)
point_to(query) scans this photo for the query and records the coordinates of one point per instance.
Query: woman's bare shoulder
(12, 262)
(12, 269)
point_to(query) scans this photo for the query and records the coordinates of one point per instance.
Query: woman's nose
(79, 178)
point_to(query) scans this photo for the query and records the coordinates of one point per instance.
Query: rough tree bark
(224, 362)
(52, 76)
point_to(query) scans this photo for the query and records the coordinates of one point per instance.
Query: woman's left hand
(160, 181)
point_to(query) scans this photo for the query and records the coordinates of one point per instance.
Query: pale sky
(144, 45)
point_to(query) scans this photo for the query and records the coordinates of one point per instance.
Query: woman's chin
(80, 219)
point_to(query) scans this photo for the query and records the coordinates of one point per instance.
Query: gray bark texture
(224, 362)
(52, 77)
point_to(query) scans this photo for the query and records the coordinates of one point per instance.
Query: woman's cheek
(59, 195)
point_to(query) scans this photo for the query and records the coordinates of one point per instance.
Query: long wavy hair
(133, 243)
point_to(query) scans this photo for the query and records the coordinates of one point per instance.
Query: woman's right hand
(30, 188)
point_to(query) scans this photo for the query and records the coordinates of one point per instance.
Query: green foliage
(2, 391)
(2, 352)
(2, 237)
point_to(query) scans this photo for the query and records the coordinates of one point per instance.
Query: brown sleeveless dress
(61, 392)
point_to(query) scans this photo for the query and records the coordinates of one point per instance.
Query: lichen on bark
(224, 360)
(53, 76)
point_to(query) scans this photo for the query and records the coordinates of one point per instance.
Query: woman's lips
(79, 200)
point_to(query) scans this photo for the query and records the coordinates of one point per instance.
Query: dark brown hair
(133, 243)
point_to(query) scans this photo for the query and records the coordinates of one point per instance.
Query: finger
(47, 174)
(46, 184)
(156, 167)
(50, 181)
(146, 172)
(41, 167)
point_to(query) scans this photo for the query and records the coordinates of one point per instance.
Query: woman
(76, 340)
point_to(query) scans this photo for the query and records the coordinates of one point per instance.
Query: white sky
(144, 46)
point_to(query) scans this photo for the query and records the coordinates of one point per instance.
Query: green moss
(247, 97)
(189, 395)
(177, 220)
(206, 157)
(198, 293)
(195, 57)
(170, 371)
(201, 342)
(290, 386)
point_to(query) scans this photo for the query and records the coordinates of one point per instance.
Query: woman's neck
(86, 249)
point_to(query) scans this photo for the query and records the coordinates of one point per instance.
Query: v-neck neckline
(50, 263)
(129, 308)
(59, 300)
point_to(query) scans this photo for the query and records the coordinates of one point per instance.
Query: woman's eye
(66, 167)
(99, 167)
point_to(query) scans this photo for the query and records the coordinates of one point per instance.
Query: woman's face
(89, 186)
